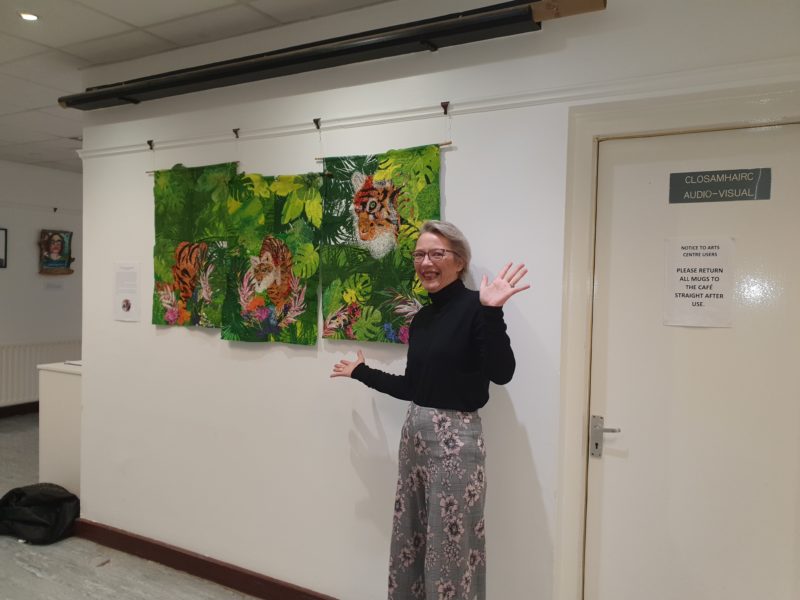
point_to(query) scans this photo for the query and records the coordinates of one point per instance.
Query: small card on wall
(698, 282)
(126, 291)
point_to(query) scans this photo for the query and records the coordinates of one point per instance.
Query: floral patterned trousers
(438, 549)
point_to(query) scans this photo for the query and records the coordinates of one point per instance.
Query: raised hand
(344, 368)
(503, 286)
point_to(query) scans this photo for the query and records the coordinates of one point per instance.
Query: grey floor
(74, 568)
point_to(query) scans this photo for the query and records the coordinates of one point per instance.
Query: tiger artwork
(189, 258)
(375, 217)
(272, 271)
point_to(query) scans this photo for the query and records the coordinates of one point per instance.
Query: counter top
(71, 367)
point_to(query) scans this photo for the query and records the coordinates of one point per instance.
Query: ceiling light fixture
(28, 17)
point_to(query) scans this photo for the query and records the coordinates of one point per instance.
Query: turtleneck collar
(447, 293)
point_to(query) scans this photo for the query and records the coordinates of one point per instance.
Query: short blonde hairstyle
(458, 241)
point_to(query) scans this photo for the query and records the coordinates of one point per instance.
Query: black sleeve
(496, 356)
(398, 386)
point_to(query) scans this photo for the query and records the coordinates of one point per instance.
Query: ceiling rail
(499, 20)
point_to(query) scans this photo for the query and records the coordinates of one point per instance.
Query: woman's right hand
(344, 368)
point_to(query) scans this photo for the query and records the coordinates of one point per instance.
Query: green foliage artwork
(273, 259)
(190, 243)
(374, 207)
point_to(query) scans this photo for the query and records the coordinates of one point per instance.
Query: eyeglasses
(436, 255)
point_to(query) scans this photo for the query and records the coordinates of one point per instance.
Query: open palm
(501, 288)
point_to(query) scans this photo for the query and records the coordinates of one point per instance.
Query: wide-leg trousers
(438, 549)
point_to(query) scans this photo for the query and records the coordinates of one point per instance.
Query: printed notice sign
(698, 282)
(720, 186)
(126, 291)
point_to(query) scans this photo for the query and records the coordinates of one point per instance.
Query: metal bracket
(596, 431)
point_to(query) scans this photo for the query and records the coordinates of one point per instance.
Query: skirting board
(241, 580)
(19, 409)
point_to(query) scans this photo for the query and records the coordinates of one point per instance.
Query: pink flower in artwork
(403, 334)
(172, 315)
(262, 313)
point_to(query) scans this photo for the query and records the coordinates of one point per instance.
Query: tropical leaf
(428, 202)
(283, 185)
(299, 233)
(216, 180)
(306, 261)
(357, 288)
(261, 186)
(332, 297)
(417, 288)
(413, 168)
(407, 239)
(230, 333)
(314, 210)
(233, 205)
(292, 209)
(369, 327)
(240, 186)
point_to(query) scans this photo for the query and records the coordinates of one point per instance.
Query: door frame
(738, 108)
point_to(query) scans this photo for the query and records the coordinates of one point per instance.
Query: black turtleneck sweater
(456, 347)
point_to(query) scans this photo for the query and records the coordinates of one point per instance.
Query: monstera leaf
(370, 325)
(306, 261)
(357, 288)
(292, 209)
(314, 210)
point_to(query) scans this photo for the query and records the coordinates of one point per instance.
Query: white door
(698, 497)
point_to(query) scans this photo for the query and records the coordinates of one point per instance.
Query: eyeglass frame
(419, 255)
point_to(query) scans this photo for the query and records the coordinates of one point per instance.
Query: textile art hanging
(374, 207)
(191, 218)
(55, 252)
(273, 260)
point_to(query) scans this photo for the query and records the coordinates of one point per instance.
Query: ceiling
(42, 60)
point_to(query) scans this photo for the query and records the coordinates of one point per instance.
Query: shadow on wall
(376, 464)
(517, 534)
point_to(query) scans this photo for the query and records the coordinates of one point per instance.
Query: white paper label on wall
(126, 291)
(698, 282)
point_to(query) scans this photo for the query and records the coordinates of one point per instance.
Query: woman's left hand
(504, 285)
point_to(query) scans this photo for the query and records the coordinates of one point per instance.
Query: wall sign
(720, 186)
(126, 291)
(698, 278)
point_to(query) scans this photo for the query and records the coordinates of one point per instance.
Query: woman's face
(436, 275)
(56, 245)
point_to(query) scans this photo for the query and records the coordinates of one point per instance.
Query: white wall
(287, 472)
(38, 308)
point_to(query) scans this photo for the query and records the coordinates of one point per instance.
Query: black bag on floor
(41, 513)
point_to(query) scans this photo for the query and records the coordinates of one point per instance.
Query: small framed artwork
(3, 247)
(55, 252)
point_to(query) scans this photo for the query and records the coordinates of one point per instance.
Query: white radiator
(19, 379)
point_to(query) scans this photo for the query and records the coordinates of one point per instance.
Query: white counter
(60, 424)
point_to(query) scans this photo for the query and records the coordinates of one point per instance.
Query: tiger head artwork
(272, 271)
(374, 212)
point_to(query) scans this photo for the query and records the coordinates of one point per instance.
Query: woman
(457, 345)
(55, 246)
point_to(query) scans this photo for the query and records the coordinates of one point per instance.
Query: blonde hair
(458, 241)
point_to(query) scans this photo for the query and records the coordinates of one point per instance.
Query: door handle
(596, 433)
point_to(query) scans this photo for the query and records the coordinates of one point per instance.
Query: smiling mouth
(429, 275)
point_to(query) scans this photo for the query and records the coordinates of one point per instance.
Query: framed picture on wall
(55, 252)
(3, 247)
